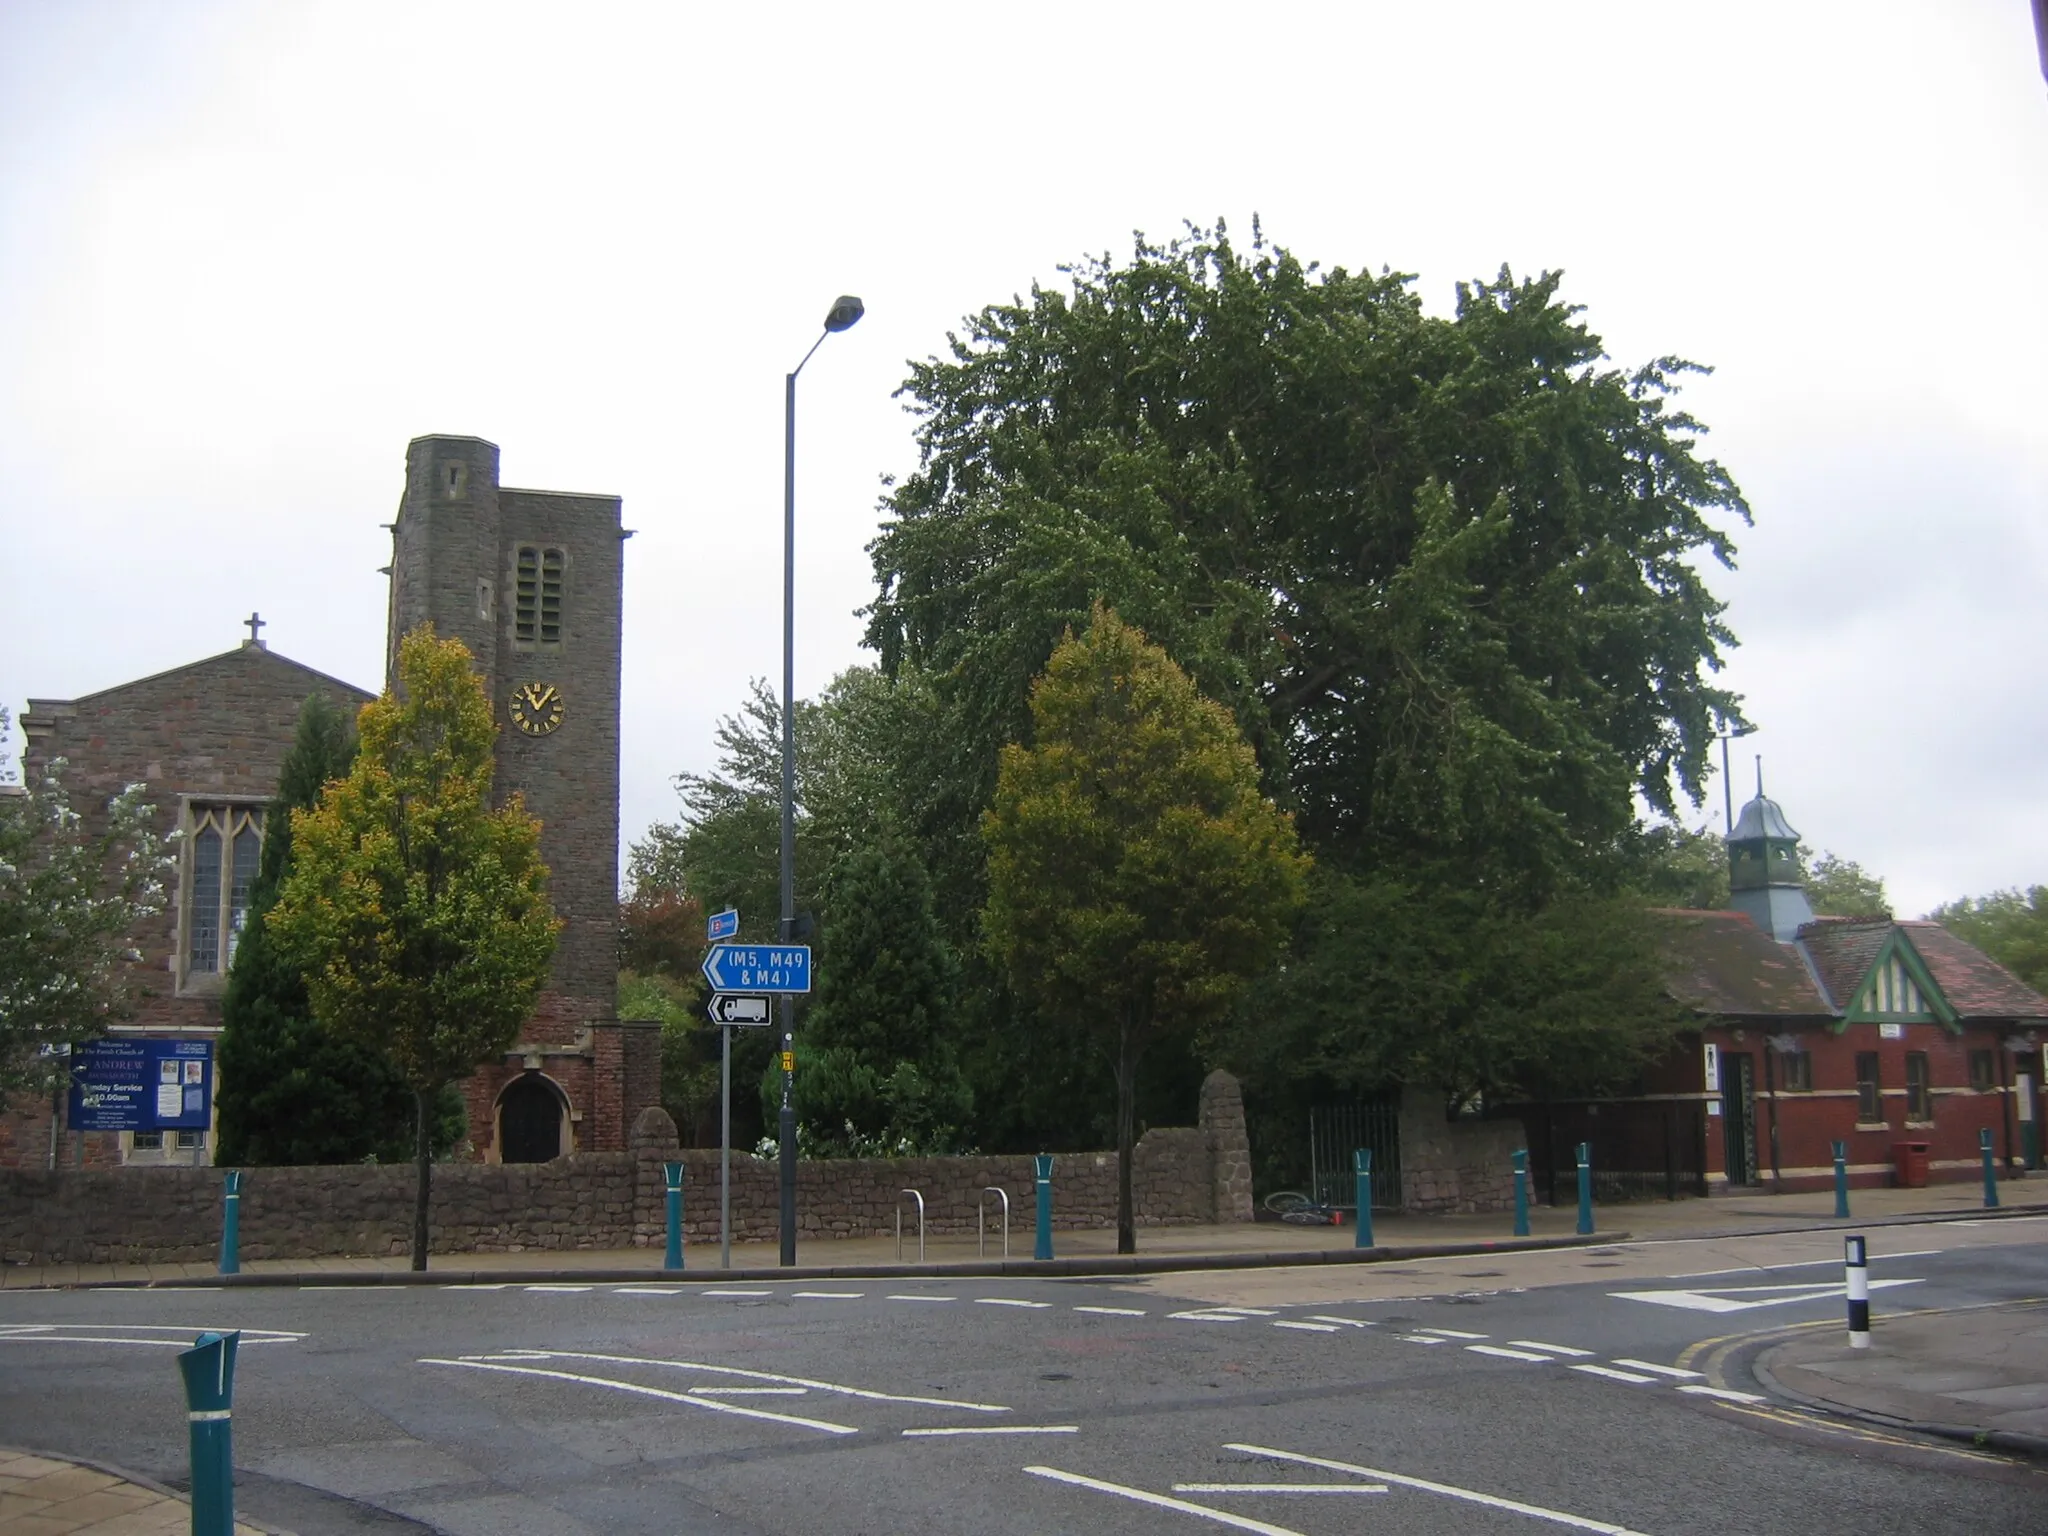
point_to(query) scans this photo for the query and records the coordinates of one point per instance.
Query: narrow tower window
(537, 595)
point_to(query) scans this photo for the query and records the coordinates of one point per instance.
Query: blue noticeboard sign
(758, 967)
(723, 925)
(142, 1085)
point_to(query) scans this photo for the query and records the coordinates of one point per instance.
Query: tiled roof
(1843, 949)
(1975, 985)
(1722, 963)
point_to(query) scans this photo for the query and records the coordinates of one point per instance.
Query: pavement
(1241, 1244)
(49, 1496)
(1979, 1375)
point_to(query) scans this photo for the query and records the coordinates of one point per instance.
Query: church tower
(1763, 869)
(531, 582)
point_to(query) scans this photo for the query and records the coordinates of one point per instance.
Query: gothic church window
(537, 595)
(225, 844)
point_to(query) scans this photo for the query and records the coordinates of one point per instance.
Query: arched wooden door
(529, 1121)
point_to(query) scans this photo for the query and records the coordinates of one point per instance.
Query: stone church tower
(531, 582)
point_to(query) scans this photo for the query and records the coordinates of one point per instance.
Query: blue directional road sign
(723, 925)
(758, 968)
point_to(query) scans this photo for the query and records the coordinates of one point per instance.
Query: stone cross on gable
(256, 621)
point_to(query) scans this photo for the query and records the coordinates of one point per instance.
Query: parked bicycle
(1292, 1205)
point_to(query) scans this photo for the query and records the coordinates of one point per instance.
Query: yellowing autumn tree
(418, 913)
(1137, 877)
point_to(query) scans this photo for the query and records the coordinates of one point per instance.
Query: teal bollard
(1361, 1168)
(1990, 1171)
(231, 1226)
(1522, 1194)
(1042, 1247)
(1841, 1150)
(209, 1371)
(1585, 1189)
(672, 1173)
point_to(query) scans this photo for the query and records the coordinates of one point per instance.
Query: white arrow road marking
(770, 1377)
(1469, 1496)
(1743, 1298)
(1279, 1487)
(1161, 1501)
(1634, 1377)
(634, 1388)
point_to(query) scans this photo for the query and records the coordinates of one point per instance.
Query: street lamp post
(1727, 789)
(844, 312)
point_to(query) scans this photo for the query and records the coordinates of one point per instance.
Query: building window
(1983, 1072)
(537, 595)
(1919, 1100)
(1798, 1067)
(225, 848)
(1869, 1096)
(149, 1141)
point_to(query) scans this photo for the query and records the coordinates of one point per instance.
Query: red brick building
(1880, 1034)
(531, 582)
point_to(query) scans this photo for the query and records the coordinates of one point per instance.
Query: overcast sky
(248, 250)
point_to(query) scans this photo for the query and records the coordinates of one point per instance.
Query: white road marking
(1470, 1496)
(750, 1391)
(1451, 1333)
(1724, 1395)
(1010, 1301)
(1674, 1372)
(1113, 1311)
(565, 1288)
(1279, 1487)
(1552, 1349)
(922, 1298)
(1611, 1374)
(1344, 1322)
(645, 1290)
(1248, 1311)
(497, 1285)
(831, 1295)
(770, 1377)
(1420, 1338)
(1161, 1501)
(1725, 1298)
(1508, 1354)
(637, 1390)
(1205, 1315)
(1307, 1327)
(995, 1429)
(1754, 1269)
(177, 1336)
(735, 1293)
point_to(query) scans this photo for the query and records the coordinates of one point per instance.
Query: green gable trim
(1938, 1010)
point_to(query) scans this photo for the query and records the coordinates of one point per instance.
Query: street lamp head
(1736, 733)
(846, 309)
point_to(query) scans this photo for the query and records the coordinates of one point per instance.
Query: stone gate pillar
(1230, 1149)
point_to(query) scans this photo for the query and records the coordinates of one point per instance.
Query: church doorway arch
(531, 1115)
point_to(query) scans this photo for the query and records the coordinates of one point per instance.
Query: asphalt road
(1600, 1390)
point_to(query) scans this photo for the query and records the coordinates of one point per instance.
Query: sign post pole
(672, 1175)
(725, 1146)
(1361, 1172)
(231, 1225)
(209, 1371)
(1522, 1193)
(1042, 1248)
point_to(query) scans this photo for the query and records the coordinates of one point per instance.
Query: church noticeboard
(142, 1085)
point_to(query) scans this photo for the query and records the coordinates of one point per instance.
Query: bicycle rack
(899, 1224)
(981, 1210)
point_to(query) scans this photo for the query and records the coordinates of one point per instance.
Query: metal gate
(1335, 1131)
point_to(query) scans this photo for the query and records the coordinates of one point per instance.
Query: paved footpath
(44, 1496)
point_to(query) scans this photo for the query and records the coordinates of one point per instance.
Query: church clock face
(536, 708)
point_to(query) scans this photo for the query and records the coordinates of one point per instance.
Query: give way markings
(1352, 1479)
(714, 1389)
(145, 1335)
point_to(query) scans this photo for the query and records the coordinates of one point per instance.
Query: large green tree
(1138, 877)
(2009, 926)
(291, 1090)
(1446, 570)
(76, 890)
(417, 913)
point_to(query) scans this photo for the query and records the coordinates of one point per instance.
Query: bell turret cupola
(1763, 869)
